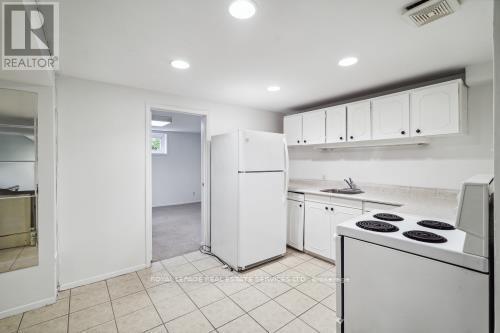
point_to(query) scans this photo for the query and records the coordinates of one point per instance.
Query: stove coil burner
(377, 226)
(424, 236)
(388, 217)
(435, 225)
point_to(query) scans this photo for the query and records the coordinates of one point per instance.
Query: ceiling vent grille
(427, 11)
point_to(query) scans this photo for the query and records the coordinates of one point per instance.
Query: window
(159, 143)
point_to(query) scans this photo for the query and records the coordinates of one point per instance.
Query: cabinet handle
(403, 132)
(351, 137)
(326, 208)
(331, 209)
(305, 141)
(341, 138)
(298, 141)
(418, 130)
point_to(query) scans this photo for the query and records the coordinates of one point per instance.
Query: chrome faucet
(351, 183)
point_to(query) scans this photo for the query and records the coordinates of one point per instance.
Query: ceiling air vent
(427, 11)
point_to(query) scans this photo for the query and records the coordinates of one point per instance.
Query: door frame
(205, 173)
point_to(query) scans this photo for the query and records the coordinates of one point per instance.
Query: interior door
(262, 215)
(435, 110)
(359, 121)
(391, 116)
(317, 229)
(292, 127)
(295, 224)
(261, 151)
(313, 130)
(336, 123)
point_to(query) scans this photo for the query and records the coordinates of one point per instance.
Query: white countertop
(436, 203)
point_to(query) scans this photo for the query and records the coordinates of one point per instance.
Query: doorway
(176, 191)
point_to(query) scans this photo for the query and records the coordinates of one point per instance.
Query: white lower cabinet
(320, 225)
(317, 229)
(295, 226)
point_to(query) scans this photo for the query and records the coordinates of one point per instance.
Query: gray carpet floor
(176, 230)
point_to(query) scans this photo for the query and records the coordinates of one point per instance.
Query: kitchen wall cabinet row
(432, 110)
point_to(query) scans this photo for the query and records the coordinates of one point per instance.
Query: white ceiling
(292, 43)
(181, 122)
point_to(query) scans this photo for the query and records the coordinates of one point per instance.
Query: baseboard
(176, 204)
(102, 277)
(27, 307)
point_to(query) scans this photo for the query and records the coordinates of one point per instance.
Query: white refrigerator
(249, 185)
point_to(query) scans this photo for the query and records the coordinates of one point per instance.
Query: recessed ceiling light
(179, 64)
(159, 123)
(242, 9)
(348, 61)
(273, 88)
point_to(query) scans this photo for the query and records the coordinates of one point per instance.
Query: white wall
(102, 172)
(33, 287)
(176, 177)
(443, 164)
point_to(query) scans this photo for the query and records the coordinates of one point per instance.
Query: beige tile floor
(17, 258)
(194, 293)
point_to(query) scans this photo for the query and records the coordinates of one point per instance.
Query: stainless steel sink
(343, 190)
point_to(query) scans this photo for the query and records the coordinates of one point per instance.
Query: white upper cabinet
(436, 109)
(313, 127)
(391, 116)
(359, 121)
(292, 127)
(336, 124)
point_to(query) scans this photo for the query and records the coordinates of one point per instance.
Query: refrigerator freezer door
(261, 151)
(262, 213)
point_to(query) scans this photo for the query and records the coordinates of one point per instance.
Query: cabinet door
(317, 229)
(336, 123)
(359, 121)
(313, 127)
(292, 127)
(338, 215)
(295, 230)
(391, 116)
(435, 110)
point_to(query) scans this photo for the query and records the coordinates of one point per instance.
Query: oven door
(390, 291)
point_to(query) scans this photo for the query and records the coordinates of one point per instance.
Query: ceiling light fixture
(242, 9)
(273, 88)
(348, 61)
(179, 64)
(159, 123)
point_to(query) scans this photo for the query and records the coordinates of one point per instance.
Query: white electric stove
(406, 273)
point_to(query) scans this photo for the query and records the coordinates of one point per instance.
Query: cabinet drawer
(296, 196)
(317, 198)
(346, 202)
(369, 206)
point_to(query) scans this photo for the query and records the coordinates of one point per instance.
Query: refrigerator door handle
(286, 175)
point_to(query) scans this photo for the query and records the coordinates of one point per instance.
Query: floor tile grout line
(41, 322)
(151, 300)
(110, 304)
(197, 309)
(272, 299)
